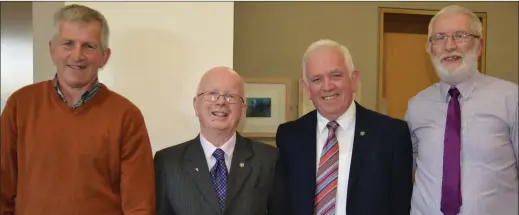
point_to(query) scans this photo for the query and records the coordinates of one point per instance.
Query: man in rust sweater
(70, 146)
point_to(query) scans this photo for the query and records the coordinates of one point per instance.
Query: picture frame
(268, 105)
(305, 105)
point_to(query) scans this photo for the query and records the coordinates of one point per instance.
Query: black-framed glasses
(229, 98)
(457, 37)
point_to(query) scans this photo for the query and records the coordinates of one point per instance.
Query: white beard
(468, 67)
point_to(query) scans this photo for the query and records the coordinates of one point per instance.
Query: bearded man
(464, 128)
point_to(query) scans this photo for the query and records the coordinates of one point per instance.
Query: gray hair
(330, 44)
(80, 13)
(456, 9)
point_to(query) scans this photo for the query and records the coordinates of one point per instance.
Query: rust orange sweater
(94, 160)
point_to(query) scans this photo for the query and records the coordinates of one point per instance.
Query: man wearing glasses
(219, 171)
(464, 128)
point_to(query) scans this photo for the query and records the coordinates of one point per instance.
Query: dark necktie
(219, 177)
(451, 185)
(327, 173)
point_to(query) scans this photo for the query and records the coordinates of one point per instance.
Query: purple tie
(451, 186)
(219, 177)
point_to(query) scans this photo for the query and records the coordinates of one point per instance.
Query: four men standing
(338, 159)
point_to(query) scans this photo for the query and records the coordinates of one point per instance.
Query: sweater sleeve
(137, 174)
(8, 157)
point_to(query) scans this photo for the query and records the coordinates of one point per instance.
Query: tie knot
(332, 125)
(219, 154)
(454, 92)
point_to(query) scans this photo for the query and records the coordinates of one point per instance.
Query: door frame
(386, 10)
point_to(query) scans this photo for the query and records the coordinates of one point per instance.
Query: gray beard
(468, 68)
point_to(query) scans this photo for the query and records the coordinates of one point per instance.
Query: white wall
(159, 52)
(42, 19)
(16, 47)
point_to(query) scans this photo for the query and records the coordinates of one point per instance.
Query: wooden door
(405, 68)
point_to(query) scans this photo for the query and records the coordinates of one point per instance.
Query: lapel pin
(362, 133)
(196, 169)
(242, 164)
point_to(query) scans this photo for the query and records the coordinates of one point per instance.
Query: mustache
(471, 52)
(466, 56)
(452, 54)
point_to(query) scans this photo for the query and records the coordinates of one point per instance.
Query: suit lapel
(363, 138)
(306, 146)
(240, 167)
(195, 166)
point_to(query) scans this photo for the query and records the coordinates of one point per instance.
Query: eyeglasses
(458, 37)
(229, 98)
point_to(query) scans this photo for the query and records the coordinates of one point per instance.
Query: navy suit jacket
(380, 181)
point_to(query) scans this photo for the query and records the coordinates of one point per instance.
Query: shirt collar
(344, 120)
(466, 87)
(209, 148)
(89, 94)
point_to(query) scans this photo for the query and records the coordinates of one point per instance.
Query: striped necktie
(326, 187)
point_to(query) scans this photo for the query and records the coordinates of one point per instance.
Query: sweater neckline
(99, 97)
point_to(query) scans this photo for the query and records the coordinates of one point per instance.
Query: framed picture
(305, 105)
(268, 105)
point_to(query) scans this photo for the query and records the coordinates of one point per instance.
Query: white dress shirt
(345, 133)
(209, 148)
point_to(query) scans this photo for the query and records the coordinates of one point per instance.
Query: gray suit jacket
(184, 184)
